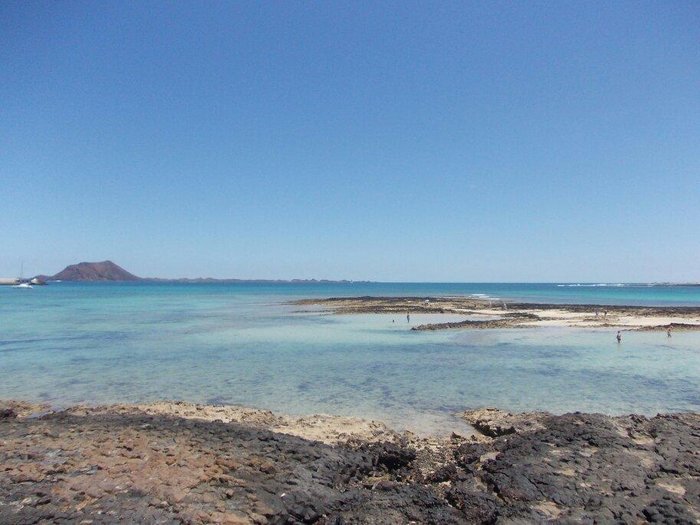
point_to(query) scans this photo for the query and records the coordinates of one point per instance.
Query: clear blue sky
(420, 141)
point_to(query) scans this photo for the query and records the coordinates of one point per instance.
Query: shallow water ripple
(133, 343)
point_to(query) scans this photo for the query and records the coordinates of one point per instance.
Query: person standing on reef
(619, 337)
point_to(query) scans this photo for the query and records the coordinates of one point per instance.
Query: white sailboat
(22, 282)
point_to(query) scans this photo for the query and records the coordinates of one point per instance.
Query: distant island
(91, 271)
(110, 271)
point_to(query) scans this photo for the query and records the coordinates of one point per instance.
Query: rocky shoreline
(184, 463)
(486, 314)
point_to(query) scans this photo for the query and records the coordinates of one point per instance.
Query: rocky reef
(481, 313)
(129, 465)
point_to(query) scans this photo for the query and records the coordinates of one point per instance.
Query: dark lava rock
(7, 413)
(131, 467)
(390, 456)
(467, 454)
(476, 506)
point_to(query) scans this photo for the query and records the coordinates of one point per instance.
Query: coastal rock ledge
(124, 464)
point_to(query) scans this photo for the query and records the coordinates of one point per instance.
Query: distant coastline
(104, 271)
(253, 281)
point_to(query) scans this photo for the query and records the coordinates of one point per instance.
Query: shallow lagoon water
(72, 343)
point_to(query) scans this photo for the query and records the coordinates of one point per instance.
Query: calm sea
(244, 344)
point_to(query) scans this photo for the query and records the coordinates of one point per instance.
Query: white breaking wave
(600, 285)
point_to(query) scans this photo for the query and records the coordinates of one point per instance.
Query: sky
(392, 141)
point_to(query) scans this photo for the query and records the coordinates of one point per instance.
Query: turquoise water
(243, 344)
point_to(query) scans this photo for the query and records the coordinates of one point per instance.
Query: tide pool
(245, 344)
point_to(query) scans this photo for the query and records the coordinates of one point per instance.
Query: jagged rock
(7, 413)
(109, 466)
(391, 456)
(493, 422)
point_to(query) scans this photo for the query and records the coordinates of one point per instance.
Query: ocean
(244, 343)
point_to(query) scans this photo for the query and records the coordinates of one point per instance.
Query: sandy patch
(320, 427)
